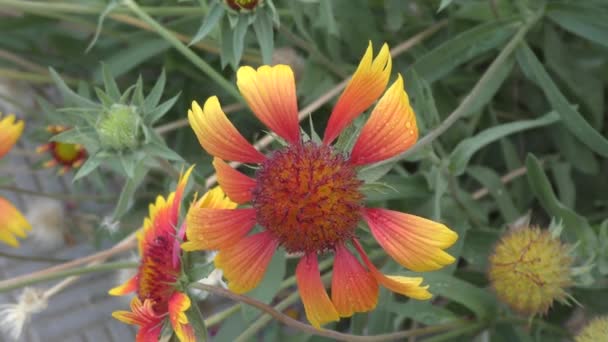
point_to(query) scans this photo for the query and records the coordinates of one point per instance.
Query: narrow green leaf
(576, 227)
(460, 156)
(226, 46)
(91, 163)
(375, 172)
(265, 35)
(443, 5)
(490, 179)
(69, 95)
(216, 12)
(109, 84)
(162, 109)
(571, 118)
(107, 10)
(588, 22)
(464, 47)
(238, 39)
(128, 191)
(156, 93)
(162, 151)
(562, 173)
(196, 320)
(476, 299)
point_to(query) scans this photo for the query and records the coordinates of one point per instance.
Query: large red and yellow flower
(155, 282)
(66, 156)
(12, 222)
(307, 197)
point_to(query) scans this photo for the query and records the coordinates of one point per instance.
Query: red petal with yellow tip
(12, 223)
(218, 136)
(178, 304)
(270, 91)
(353, 289)
(406, 286)
(10, 131)
(245, 262)
(319, 308)
(126, 288)
(217, 228)
(365, 87)
(143, 315)
(414, 242)
(390, 130)
(236, 185)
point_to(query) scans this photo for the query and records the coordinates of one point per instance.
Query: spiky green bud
(118, 127)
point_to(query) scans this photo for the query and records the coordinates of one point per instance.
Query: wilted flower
(595, 331)
(64, 155)
(530, 269)
(307, 196)
(12, 222)
(238, 5)
(13, 317)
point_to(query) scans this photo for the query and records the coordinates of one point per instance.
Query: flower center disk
(308, 197)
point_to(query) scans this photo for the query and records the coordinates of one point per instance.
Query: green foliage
(509, 99)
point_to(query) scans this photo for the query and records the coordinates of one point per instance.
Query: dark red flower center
(308, 197)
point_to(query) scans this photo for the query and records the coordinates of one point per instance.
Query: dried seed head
(530, 269)
(596, 330)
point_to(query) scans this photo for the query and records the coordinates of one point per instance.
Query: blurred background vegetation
(509, 96)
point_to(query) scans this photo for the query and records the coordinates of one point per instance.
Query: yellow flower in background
(530, 269)
(307, 197)
(66, 156)
(595, 331)
(12, 222)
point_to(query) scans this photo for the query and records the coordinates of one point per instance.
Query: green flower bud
(119, 127)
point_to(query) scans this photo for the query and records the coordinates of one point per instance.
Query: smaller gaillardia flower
(595, 331)
(530, 268)
(66, 156)
(12, 222)
(157, 280)
(307, 198)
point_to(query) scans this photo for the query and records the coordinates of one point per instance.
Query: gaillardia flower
(12, 223)
(64, 155)
(306, 196)
(158, 274)
(530, 269)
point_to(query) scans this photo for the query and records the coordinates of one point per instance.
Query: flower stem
(71, 272)
(188, 53)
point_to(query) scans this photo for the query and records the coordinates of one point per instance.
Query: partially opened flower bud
(596, 330)
(119, 127)
(530, 269)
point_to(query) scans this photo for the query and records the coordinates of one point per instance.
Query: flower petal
(414, 242)
(178, 304)
(218, 136)
(270, 91)
(144, 316)
(126, 288)
(353, 289)
(10, 131)
(365, 87)
(390, 130)
(236, 185)
(319, 308)
(208, 228)
(406, 286)
(12, 223)
(245, 262)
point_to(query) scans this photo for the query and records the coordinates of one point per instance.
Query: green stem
(58, 196)
(469, 327)
(71, 272)
(188, 53)
(31, 258)
(471, 99)
(222, 315)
